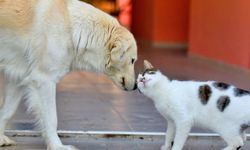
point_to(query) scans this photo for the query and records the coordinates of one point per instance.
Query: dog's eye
(132, 61)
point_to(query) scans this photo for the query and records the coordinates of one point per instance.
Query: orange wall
(161, 20)
(142, 19)
(220, 29)
(171, 20)
(217, 29)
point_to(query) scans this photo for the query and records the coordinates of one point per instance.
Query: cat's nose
(142, 79)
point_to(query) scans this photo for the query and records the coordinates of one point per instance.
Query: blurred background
(218, 30)
(186, 39)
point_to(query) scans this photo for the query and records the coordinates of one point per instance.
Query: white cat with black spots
(217, 106)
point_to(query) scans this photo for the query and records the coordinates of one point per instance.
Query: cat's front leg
(169, 136)
(182, 130)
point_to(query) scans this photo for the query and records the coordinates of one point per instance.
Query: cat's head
(149, 77)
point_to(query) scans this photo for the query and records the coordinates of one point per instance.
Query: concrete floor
(193, 143)
(90, 102)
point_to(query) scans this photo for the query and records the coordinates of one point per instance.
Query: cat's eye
(132, 61)
(151, 72)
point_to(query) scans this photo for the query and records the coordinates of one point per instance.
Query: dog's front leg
(12, 98)
(43, 103)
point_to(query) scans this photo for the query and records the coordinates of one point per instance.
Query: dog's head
(102, 44)
(122, 55)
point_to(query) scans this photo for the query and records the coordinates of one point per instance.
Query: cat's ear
(147, 65)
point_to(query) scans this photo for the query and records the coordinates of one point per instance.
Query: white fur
(62, 36)
(180, 104)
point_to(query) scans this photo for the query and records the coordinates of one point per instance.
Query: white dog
(42, 40)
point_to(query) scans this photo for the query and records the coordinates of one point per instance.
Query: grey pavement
(90, 102)
(36, 143)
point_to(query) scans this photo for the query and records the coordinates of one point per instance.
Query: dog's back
(26, 26)
(16, 14)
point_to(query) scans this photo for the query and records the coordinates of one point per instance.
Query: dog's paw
(164, 147)
(5, 141)
(64, 147)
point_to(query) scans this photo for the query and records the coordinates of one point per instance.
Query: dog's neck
(91, 31)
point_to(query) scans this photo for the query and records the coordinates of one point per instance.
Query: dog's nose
(135, 86)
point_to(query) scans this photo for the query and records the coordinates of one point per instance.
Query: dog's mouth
(123, 83)
(125, 88)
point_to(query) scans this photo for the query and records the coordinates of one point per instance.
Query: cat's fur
(218, 106)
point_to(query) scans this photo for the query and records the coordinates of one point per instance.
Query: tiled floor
(90, 102)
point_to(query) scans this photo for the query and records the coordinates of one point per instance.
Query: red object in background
(164, 21)
(125, 7)
(218, 29)
(142, 19)
(221, 30)
(171, 21)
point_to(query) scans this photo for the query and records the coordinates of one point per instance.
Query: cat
(220, 107)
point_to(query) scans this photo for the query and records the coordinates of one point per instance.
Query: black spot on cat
(238, 148)
(221, 85)
(172, 143)
(223, 102)
(205, 93)
(240, 92)
(244, 126)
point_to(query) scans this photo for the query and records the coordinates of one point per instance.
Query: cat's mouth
(142, 80)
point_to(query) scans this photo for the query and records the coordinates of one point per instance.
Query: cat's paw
(64, 147)
(5, 141)
(165, 147)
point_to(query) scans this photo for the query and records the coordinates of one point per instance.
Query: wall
(164, 21)
(215, 29)
(220, 29)
(142, 19)
(171, 20)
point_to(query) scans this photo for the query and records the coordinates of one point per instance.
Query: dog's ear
(147, 65)
(119, 45)
(118, 52)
